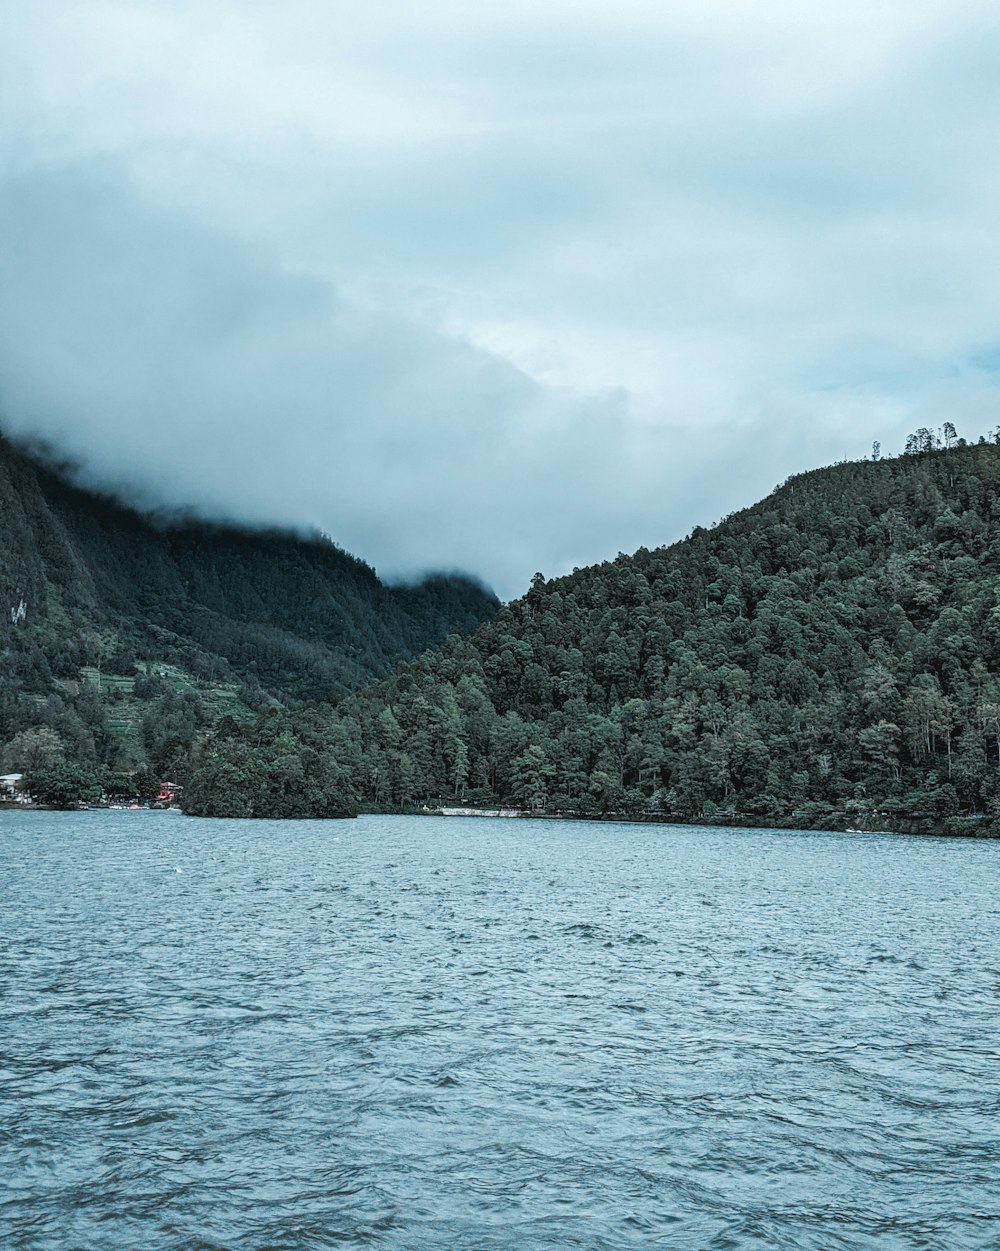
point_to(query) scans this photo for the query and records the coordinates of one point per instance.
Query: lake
(477, 1035)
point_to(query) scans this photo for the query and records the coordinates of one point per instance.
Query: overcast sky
(499, 287)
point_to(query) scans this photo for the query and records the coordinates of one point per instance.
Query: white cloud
(503, 286)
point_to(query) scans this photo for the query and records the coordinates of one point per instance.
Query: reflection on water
(474, 1035)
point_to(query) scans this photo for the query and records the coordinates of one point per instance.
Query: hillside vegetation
(829, 656)
(122, 641)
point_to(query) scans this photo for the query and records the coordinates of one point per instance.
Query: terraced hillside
(105, 613)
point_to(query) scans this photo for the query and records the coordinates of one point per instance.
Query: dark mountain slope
(87, 584)
(831, 654)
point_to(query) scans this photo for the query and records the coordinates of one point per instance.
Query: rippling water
(473, 1035)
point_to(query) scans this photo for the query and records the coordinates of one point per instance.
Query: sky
(494, 287)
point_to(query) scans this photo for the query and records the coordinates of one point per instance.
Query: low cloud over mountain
(499, 292)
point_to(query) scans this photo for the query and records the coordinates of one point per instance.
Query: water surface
(477, 1035)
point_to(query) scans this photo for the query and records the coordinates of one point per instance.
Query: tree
(33, 750)
(64, 785)
(270, 770)
(532, 773)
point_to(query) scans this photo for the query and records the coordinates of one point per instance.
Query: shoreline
(950, 827)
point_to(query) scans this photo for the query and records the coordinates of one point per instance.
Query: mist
(177, 368)
(503, 295)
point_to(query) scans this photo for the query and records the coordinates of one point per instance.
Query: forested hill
(829, 655)
(93, 595)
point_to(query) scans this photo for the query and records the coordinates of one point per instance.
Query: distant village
(15, 793)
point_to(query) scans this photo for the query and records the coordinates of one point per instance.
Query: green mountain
(127, 638)
(830, 656)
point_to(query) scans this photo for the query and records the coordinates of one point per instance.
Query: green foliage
(128, 640)
(829, 656)
(272, 770)
(145, 784)
(38, 748)
(120, 787)
(64, 785)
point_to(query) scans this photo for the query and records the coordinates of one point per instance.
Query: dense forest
(124, 640)
(830, 656)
